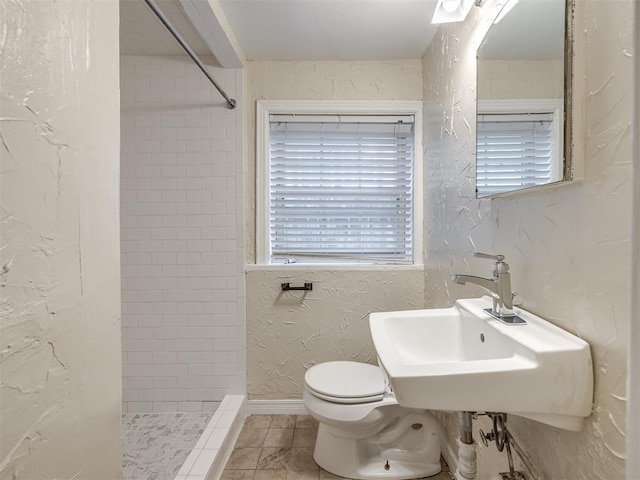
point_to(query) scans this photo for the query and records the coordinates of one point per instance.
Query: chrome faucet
(499, 285)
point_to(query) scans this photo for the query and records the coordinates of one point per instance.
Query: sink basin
(463, 359)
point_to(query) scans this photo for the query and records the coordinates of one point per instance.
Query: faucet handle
(488, 256)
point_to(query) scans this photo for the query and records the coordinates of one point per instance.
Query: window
(339, 182)
(518, 145)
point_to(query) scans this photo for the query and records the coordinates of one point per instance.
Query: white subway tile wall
(183, 320)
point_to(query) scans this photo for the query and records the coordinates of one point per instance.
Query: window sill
(332, 266)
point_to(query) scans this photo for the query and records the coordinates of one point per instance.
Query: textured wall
(60, 278)
(569, 247)
(182, 258)
(285, 335)
(520, 79)
(290, 331)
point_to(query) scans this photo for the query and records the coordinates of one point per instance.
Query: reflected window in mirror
(519, 145)
(521, 91)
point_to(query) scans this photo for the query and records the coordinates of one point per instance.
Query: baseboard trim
(276, 407)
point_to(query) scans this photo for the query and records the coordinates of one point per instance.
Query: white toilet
(364, 433)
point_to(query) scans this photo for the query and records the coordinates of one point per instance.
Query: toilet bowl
(363, 433)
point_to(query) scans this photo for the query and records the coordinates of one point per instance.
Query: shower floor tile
(155, 445)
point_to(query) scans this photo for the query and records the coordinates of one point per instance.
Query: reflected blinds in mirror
(514, 152)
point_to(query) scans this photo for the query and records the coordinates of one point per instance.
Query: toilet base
(398, 452)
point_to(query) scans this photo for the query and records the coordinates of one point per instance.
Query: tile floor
(280, 447)
(155, 445)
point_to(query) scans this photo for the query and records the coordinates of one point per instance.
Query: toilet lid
(346, 381)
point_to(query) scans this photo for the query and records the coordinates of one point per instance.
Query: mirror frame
(568, 170)
(569, 59)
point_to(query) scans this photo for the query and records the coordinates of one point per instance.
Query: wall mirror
(524, 98)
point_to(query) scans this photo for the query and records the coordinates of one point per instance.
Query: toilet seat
(346, 382)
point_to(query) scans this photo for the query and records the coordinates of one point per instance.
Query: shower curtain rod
(231, 103)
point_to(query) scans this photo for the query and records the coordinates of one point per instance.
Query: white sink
(463, 359)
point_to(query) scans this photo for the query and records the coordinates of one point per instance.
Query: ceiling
(331, 29)
(315, 30)
(290, 29)
(141, 33)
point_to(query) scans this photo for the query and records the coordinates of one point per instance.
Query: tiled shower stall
(183, 321)
(181, 229)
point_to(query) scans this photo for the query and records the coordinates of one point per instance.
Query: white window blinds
(514, 151)
(341, 188)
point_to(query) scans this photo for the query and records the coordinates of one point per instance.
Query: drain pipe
(467, 469)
